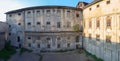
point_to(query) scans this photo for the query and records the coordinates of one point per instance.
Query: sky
(8, 5)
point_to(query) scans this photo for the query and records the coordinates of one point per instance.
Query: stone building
(102, 29)
(3, 34)
(45, 27)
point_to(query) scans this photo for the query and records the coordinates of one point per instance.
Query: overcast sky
(8, 5)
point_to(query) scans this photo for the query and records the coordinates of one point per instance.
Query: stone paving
(24, 57)
(65, 57)
(51, 56)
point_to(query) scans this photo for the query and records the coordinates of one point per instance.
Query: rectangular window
(77, 38)
(108, 2)
(77, 15)
(48, 38)
(10, 15)
(38, 23)
(19, 14)
(90, 24)
(48, 46)
(48, 11)
(89, 36)
(28, 23)
(58, 24)
(28, 12)
(108, 39)
(38, 11)
(48, 23)
(97, 37)
(29, 44)
(68, 45)
(108, 22)
(29, 37)
(18, 39)
(58, 46)
(98, 23)
(38, 45)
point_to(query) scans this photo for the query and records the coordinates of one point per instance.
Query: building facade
(45, 27)
(102, 29)
(3, 34)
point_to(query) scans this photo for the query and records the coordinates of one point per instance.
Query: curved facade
(45, 27)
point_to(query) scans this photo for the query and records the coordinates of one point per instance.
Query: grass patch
(93, 56)
(22, 50)
(6, 52)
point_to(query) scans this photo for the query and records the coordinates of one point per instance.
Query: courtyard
(51, 56)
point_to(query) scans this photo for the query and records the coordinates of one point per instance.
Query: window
(58, 24)
(19, 23)
(38, 11)
(77, 38)
(29, 23)
(18, 39)
(68, 45)
(10, 15)
(58, 38)
(90, 24)
(28, 12)
(48, 46)
(58, 11)
(108, 2)
(77, 15)
(90, 9)
(108, 22)
(97, 37)
(29, 44)
(48, 23)
(89, 36)
(29, 37)
(48, 38)
(9, 25)
(19, 14)
(98, 23)
(108, 39)
(38, 23)
(58, 46)
(97, 6)
(9, 34)
(38, 45)
(68, 11)
(48, 11)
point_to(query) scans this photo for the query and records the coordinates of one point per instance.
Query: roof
(42, 7)
(94, 2)
(83, 3)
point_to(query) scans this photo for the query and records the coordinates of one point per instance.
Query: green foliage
(76, 27)
(93, 56)
(7, 52)
(22, 50)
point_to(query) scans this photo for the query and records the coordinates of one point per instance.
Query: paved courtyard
(51, 56)
(64, 57)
